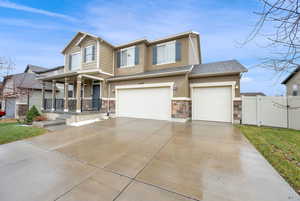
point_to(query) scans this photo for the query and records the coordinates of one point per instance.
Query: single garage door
(147, 103)
(10, 106)
(212, 104)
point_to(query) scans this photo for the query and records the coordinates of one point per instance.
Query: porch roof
(93, 74)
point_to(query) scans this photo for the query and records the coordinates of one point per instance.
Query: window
(74, 61)
(295, 90)
(89, 54)
(166, 53)
(127, 57)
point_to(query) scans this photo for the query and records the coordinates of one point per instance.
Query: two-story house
(155, 79)
(292, 83)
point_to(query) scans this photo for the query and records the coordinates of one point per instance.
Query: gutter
(213, 74)
(57, 76)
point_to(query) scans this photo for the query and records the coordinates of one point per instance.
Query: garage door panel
(212, 104)
(148, 103)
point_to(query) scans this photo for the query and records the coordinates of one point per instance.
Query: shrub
(31, 114)
(40, 118)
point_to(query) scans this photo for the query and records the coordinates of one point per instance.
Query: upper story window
(89, 54)
(166, 53)
(295, 90)
(128, 57)
(74, 61)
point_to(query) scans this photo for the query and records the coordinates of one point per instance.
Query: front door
(96, 97)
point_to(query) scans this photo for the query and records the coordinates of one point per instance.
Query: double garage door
(147, 103)
(208, 103)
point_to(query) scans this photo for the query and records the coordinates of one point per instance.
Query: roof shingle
(221, 67)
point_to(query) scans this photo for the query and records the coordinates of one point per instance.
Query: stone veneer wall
(181, 109)
(237, 111)
(112, 106)
(22, 109)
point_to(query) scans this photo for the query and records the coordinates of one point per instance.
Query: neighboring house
(1, 94)
(22, 91)
(253, 94)
(292, 83)
(155, 79)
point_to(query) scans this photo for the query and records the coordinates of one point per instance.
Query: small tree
(31, 114)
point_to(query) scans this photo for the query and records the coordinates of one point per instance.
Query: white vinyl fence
(271, 111)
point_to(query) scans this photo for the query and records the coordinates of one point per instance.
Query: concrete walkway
(132, 160)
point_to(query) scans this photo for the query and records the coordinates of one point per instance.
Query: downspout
(108, 99)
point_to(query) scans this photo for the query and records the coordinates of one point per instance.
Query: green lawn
(281, 147)
(13, 131)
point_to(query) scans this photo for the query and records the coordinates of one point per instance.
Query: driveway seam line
(76, 185)
(151, 159)
(161, 188)
(122, 190)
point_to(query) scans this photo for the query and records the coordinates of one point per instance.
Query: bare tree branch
(284, 17)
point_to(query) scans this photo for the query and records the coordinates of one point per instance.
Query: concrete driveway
(139, 160)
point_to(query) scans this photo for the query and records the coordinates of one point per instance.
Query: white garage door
(148, 103)
(212, 104)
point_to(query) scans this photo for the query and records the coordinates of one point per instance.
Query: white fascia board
(92, 77)
(182, 98)
(154, 85)
(213, 84)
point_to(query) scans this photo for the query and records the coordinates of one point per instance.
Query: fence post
(258, 110)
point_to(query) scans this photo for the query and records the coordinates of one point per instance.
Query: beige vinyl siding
(106, 57)
(294, 80)
(180, 82)
(227, 78)
(136, 68)
(193, 50)
(184, 56)
(72, 49)
(88, 41)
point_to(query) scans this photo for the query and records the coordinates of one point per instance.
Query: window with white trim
(89, 53)
(74, 61)
(166, 53)
(127, 57)
(295, 90)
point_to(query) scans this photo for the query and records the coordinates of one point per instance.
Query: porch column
(53, 94)
(78, 94)
(66, 105)
(43, 96)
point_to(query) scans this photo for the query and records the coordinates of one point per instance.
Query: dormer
(87, 52)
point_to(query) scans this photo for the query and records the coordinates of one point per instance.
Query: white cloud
(11, 5)
(32, 24)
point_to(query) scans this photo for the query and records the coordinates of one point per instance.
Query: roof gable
(73, 41)
(79, 37)
(291, 75)
(34, 68)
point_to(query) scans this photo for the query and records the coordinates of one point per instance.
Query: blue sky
(36, 31)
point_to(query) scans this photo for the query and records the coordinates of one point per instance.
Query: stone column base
(181, 110)
(112, 106)
(237, 111)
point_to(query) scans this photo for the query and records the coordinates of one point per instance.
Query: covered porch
(77, 94)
